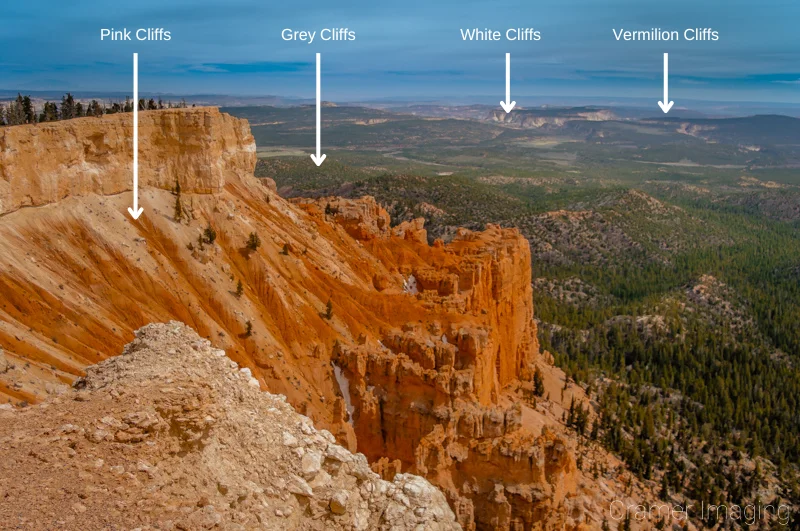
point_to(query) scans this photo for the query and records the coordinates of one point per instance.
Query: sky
(407, 49)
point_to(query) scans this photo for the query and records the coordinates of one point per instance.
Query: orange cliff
(422, 363)
(44, 163)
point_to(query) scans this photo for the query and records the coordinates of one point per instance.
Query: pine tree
(67, 107)
(664, 493)
(20, 104)
(29, 110)
(253, 242)
(571, 415)
(95, 109)
(209, 234)
(51, 112)
(177, 214)
(15, 114)
(239, 289)
(538, 382)
(178, 211)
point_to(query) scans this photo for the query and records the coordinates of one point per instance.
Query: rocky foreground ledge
(173, 435)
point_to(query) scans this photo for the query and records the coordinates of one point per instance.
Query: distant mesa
(322, 103)
(537, 118)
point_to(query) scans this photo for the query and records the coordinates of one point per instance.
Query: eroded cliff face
(44, 163)
(426, 396)
(422, 363)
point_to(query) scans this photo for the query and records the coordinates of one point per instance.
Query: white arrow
(319, 158)
(510, 105)
(135, 212)
(666, 105)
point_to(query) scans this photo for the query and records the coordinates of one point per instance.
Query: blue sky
(406, 48)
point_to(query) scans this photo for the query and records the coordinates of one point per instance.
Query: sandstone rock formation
(173, 435)
(428, 394)
(43, 163)
(419, 356)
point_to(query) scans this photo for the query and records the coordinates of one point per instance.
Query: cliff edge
(43, 163)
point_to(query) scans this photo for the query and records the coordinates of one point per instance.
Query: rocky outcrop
(362, 219)
(413, 230)
(536, 119)
(426, 396)
(173, 435)
(47, 162)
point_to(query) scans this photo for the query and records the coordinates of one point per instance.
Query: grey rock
(311, 463)
(297, 485)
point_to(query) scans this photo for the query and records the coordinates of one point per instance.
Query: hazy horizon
(686, 108)
(409, 51)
